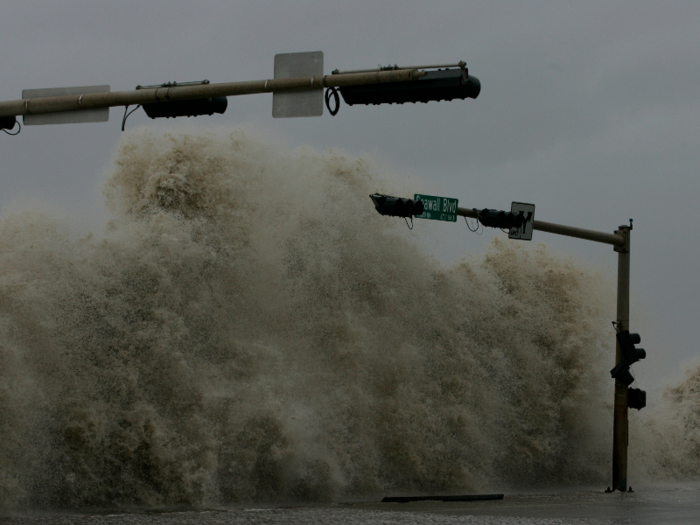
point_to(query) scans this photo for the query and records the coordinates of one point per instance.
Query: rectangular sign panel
(302, 103)
(66, 117)
(437, 208)
(524, 233)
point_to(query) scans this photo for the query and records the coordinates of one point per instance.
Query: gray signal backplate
(66, 117)
(303, 103)
(525, 232)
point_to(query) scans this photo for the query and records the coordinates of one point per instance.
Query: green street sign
(437, 208)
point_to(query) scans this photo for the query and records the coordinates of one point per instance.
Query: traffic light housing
(622, 372)
(630, 354)
(443, 84)
(8, 122)
(187, 108)
(636, 398)
(396, 206)
(502, 219)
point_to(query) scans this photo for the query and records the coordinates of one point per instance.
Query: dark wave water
(248, 328)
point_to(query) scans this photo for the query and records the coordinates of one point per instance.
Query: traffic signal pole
(150, 95)
(620, 422)
(620, 240)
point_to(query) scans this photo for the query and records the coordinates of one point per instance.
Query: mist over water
(249, 328)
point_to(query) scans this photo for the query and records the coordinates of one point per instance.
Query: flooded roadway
(661, 505)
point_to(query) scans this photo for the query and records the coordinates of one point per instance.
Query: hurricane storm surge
(248, 328)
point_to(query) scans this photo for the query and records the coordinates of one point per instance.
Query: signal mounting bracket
(174, 84)
(461, 64)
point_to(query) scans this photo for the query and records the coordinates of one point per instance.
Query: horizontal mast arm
(175, 93)
(561, 229)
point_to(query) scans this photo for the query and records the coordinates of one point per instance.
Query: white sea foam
(248, 328)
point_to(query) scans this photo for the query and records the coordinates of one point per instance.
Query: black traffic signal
(8, 122)
(186, 108)
(182, 108)
(622, 372)
(502, 219)
(445, 84)
(630, 354)
(636, 398)
(396, 206)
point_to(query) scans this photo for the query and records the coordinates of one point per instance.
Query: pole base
(609, 490)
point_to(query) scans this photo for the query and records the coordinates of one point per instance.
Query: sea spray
(667, 436)
(248, 328)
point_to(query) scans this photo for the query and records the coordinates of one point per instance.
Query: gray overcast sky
(590, 110)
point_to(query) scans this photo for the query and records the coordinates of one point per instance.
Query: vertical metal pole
(620, 423)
